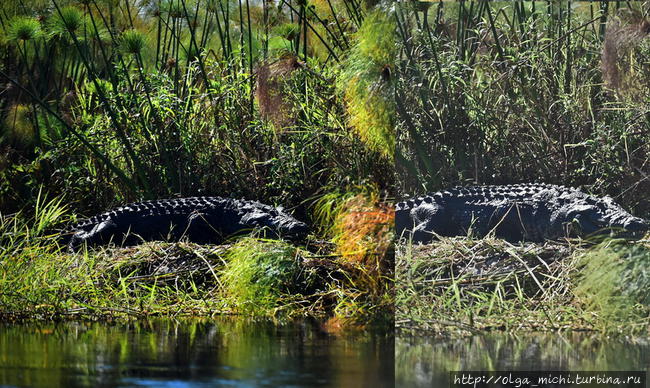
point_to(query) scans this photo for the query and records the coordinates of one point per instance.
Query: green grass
(41, 280)
(259, 275)
(367, 82)
(613, 284)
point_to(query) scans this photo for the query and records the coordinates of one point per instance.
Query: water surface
(426, 362)
(191, 353)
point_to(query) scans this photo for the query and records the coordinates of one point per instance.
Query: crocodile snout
(292, 229)
(636, 225)
(298, 230)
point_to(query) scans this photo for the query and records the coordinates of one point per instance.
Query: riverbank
(249, 277)
(341, 278)
(460, 286)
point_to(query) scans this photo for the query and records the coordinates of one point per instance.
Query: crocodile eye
(636, 225)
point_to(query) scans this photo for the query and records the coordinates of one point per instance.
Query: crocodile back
(200, 219)
(531, 212)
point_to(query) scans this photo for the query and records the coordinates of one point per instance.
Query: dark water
(191, 353)
(425, 362)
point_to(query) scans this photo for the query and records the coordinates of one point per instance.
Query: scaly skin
(198, 219)
(521, 212)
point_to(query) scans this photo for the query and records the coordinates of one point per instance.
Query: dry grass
(363, 231)
(273, 102)
(625, 56)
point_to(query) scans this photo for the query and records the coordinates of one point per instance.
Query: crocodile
(201, 220)
(532, 212)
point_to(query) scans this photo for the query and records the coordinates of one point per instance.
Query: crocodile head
(277, 223)
(290, 228)
(598, 215)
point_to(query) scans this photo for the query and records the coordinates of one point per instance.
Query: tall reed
(137, 96)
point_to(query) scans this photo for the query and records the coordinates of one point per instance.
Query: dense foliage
(112, 101)
(508, 92)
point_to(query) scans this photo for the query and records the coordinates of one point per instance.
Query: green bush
(119, 104)
(259, 274)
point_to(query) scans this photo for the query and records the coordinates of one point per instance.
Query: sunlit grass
(260, 274)
(367, 82)
(22, 29)
(361, 227)
(613, 284)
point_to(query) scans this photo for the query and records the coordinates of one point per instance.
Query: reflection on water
(425, 362)
(191, 353)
